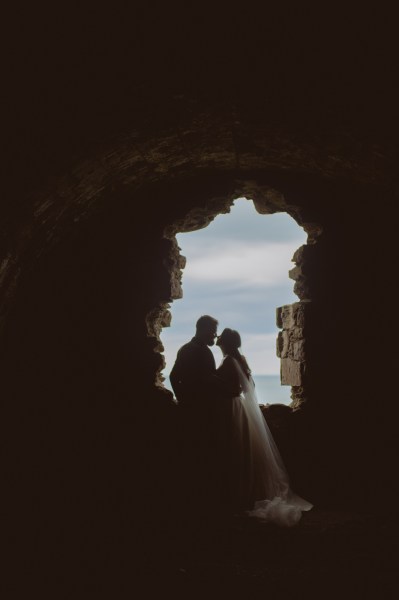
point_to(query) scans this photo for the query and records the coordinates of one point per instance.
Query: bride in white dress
(257, 479)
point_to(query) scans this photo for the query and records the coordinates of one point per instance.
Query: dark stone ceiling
(76, 81)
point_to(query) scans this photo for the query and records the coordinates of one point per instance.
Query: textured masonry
(291, 344)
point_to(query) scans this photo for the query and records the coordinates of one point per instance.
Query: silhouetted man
(200, 393)
(193, 376)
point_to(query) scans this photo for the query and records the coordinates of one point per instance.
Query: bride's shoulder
(228, 363)
(231, 364)
(228, 359)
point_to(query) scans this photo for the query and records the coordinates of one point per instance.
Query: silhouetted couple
(229, 458)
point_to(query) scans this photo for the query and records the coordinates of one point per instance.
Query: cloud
(244, 223)
(260, 351)
(240, 263)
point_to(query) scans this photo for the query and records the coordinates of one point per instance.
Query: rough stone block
(296, 333)
(300, 314)
(283, 317)
(296, 273)
(302, 290)
(290, 372)
(176, 290)
(292, 315)
(283, 343)
(305, 253)
(287, 316)
(297, 350)
(299, 255)
(279, 320)
(166, 318)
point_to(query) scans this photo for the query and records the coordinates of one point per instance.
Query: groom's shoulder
(187, 347)
(192, 347)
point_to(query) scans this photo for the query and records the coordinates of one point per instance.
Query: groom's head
(206, 329)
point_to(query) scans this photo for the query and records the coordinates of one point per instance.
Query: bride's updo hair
(231, 341)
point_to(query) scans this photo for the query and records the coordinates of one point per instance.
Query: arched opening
(108, 432)
(237, 269)
(131, 272)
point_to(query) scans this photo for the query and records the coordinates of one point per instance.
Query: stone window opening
(291, 343)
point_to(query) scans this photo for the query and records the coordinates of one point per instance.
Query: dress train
(261, 479)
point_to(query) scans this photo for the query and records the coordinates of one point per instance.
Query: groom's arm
(185, 375)
(219, 386)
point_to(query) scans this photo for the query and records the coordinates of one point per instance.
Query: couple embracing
(229, 457)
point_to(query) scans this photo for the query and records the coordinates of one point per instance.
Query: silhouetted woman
(257, 480)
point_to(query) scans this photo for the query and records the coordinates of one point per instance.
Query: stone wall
(114, 141)
(291, 347)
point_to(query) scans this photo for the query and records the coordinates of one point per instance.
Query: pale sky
(237, 271)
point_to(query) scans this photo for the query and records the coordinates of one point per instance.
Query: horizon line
(253, 375)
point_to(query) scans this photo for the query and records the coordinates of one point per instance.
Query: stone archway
(96, 243)
(136, 161)
(115, 129)
(291, 319)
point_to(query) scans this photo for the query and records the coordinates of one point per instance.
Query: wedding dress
(259, 471)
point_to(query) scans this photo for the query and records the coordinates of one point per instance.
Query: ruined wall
(108, 154)
(291, 347)
(81, 343)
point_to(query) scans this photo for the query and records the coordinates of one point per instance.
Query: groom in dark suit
(201, 398)
(193, 376)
